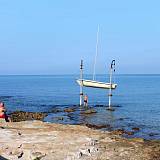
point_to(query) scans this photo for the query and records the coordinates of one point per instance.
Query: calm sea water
(136, 100)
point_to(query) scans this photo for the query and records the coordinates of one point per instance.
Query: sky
(51, 37)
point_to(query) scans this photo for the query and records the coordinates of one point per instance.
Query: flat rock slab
(89, 111)
(30, 140)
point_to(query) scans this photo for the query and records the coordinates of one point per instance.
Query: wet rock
(152, 134)
(89, 111)
(129, 133)
(135, 128)
(5, 97)
(70, 116)
(95, 126)
(18, 116)
(69, 110)
(55, 110)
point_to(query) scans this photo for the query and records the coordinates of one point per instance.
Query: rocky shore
(35, 140)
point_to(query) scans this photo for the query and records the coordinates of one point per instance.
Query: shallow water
(136, 100)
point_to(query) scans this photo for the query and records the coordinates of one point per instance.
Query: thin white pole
(110, 89)
(81, 86)
(112, 68)
(95, 60)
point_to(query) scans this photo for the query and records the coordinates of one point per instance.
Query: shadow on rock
(2, 158)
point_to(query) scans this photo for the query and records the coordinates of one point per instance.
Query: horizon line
(77, 74)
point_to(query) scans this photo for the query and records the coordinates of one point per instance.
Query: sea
(136, 100)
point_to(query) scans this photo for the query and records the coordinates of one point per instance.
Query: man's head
(2, 107)
(1, 104)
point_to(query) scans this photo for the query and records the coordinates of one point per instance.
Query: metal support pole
(81, 86)
(110, 89)
(112, 68)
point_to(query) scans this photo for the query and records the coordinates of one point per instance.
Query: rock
(137, 139)
(89, 111)
(152, 134)
(37, 155)
(47, 141)
(129, 133)
(55, 110)
(85, 151)
(135, 128)
(18, 116)
(16, 152)
(69, 110)
(122, 131)
(20, 154)
(95, 126)
(118, 131)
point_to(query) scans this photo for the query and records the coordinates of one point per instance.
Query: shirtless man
(85, 100)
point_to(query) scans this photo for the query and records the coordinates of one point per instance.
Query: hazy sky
(51, 36)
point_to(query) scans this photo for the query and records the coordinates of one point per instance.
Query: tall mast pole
(81, 86)
(95, 60)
